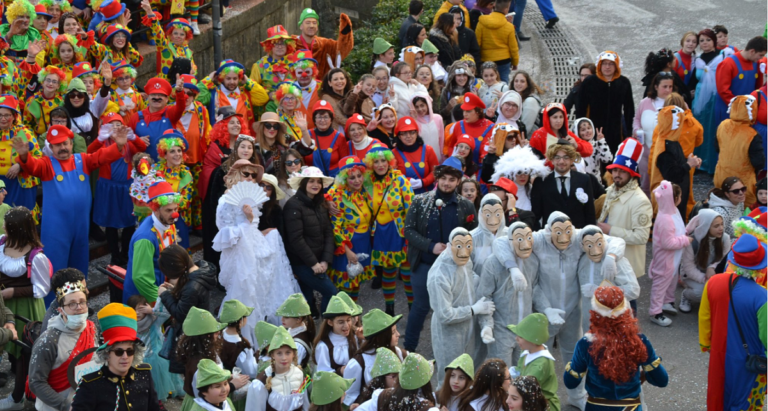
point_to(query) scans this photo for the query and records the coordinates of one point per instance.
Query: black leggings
(21, 366)
(118, 245)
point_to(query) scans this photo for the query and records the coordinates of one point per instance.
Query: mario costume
(268, 71)
(150, 124)
(359, 150)
(418, 161)
(244, 98)
(305, 69)
(22, 190)
(67, 198)
(327, 50)
(181, 181)
(327, 147)
(479, 130)
(762, 110)
(736, 76)
(143, 275)
(167, 50)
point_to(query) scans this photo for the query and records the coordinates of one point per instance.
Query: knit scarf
(613, 195)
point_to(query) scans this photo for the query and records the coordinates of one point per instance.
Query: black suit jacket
(545, 198)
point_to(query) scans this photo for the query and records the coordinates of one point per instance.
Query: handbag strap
(383, 200)
(731, 284)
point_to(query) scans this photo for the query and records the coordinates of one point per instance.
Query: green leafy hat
(416, 372)
(376, 321)
(428, 47)
(380, 46)
(534, 328)
(199, 322)
(328, 387)
(387, 362)
(357, 309)
(308, 14)
(294, 306)
(208, 372)
(233, 311)
(264, 332)
(463, 362)
(76, 84)
(281, 338)
(336, 307)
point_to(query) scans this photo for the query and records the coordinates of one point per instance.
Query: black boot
(522, 37)
(376, 283)
(551, 23)
(390, 309)
(96, 233)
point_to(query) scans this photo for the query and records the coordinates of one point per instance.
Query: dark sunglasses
(266, 186)
(251, 175)
(76, 94)
(293, 162)
(738, 190)
(120, 351)
(271, 126)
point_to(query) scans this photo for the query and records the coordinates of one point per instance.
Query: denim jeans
(420, 307)
(504, 71)
(311, 282)
(518, 6)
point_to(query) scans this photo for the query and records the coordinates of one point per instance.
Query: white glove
(415, 184)
(483, 307)
(609, 268)
(554, 315)
(588, 290)
(518, 279)
(487, 335)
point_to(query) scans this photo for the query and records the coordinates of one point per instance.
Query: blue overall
(322, 158)
(478, 141)
(154, 130)
(18, 195)
(417, 171)
(759, 127)
(687, 71)
(741, 85)
(66, 217)
(144, 232)
(115, 208)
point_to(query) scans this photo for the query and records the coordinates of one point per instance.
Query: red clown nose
(175, 215)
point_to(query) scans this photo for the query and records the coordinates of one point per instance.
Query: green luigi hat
(328, 387)
(76, 84)
(336, 307)
(308, 14)
(199, 322)
(416, 372)
(429, 48)
(376, 321)
(294, 306)
(264, 332)
(233, 311)
(380, 46)
(281, 338)
(534, 328)
(2, 184)
(357, 309)
(208, 372)
(387, 362)
(463, 362)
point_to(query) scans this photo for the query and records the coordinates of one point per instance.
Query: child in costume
(55, 8)
(383, 54)
(264, 332)
(124, 93)
(610, 355)
(237, 350)
(37, 110)
(275, 67)
(143, 175)
(114, 45)
(459, 375)
(536, 360)
(384, 374)
(41, 24)
(328, 390)
(335, 344)
(601, 153)
(150, 331)
(66, 53)
(669, 241)
(296, 317)
(171, 43)
(212, 388)
(171, 150)
(228, 86)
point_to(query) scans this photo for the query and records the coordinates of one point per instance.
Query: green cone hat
(416, 372)
(233, 311)
(376, 321)
(534, 328)
(387, 362)
(463, 362)
(199, 322)
(294, 306)
(336, 307)
(357, 309)
(208, 372)
(428, 47)
(380, 46)
(328, 387)
(264, 332)
(281, 338)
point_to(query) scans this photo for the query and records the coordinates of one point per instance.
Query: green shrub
(387, 17)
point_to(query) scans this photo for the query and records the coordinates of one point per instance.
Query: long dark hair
(271, 203)
(282, 173)
(657, 79)
(326, 88)
(244, 341)
(488, 379)
(400, 399)
(412, 34)
(191, 347)
(63, 18)
(445, 25)
(445, 393)
(20, 230)
(318, 200)
(530, 391)
(334, 406)
(326, 329)
(562, 132)
(530, 88)
(174, 262)
(366, 392)
(702, 256)
(382, 338)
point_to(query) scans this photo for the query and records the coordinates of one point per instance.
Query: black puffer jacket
(196, 293)
(308, 230)
(447, 52)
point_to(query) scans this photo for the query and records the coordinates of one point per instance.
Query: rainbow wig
(176, 25)
(163, 201)
(371, 157)
(122, 71)
(166, 144)
(20, 8)
(63, 5)
(53, 70)
(341, 178)
(231, 69)
(285, 89)
(748, 225)
(96, 80)
(80, 52)
(305, 64)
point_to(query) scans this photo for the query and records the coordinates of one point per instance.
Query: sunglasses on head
(120, 351)
(251, 175)
(295, 162)
(271, 126)
(738, 190)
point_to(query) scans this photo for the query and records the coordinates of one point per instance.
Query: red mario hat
(110, 117)
(156, 85)
(406, 124)
(507, 185)
(466, 140)
(58, 134)
(324, 106)
(354, 119)
(472, 101)
(628, 156)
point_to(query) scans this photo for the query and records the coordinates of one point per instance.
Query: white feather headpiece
(519, 160)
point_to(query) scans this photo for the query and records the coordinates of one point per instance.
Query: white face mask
(76, 321)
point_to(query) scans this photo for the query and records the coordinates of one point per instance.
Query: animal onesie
(323, 48)
(735, 77)
(762, 112)
(669, 241)
(670, 161)
(741, 150)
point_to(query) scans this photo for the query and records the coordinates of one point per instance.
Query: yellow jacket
(444, 9)
(496, 37)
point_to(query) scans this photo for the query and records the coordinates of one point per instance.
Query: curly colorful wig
(169, 30)
(20, 8)
(166, 144)
(163, 201)
(53, 70)
(749, 226)
(370, 158)
(125, 71)
(63, 5)
(231, 69)
(96, 80)
(80, 52)
(285, 89)
(616, 345)
(220, 131)
(341, 178)
(305, 64)
(290, 45)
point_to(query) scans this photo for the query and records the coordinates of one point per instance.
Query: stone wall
(241, 34)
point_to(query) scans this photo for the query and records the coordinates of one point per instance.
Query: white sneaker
(685, 305)
(195, 29)
(661, 319)
(669, 308)
(7, 403)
